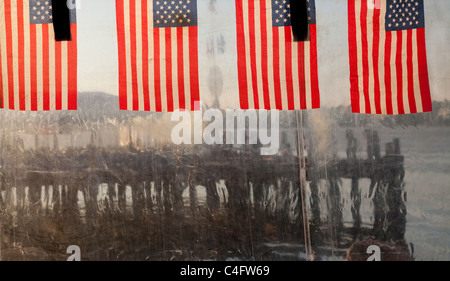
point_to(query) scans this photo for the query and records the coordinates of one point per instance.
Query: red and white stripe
(37, 73)
(158, 67)
(388, 70)
(274, 71)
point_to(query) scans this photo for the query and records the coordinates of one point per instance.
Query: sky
(97, 49)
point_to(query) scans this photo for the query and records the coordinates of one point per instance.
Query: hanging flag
(275, 71)
(37, 72)
(158, 54)
(388, 63)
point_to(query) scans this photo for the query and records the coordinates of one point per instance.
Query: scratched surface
(113, 184)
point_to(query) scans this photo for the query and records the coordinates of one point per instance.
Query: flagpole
(302, 176)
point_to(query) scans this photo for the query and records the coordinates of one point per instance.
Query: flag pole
(302, 176)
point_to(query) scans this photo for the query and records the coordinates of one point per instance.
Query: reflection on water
(365, 183)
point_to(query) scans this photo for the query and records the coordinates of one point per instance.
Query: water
(427, 166)
(427, 186)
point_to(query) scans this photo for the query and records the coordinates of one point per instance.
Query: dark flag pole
(299, 20)
(61, 20)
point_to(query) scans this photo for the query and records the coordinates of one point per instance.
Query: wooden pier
(54, 198)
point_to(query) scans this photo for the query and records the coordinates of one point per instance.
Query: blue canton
(174, 13)
(404, 14)
(41, 12)
(281, 12)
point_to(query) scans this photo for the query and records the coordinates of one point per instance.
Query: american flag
(388, 64)
(37, 73)
(274, 71)
(158, 54)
